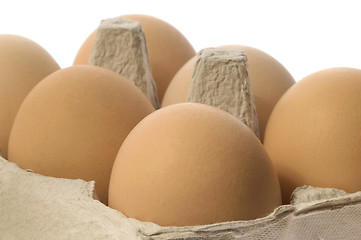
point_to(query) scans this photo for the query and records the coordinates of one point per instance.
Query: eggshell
(23, 63)
(191, 164)
(168, 49)
(178, 88)
(72, 124)
(268, 77)
(313, 135)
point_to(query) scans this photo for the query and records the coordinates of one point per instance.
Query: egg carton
(33, 206)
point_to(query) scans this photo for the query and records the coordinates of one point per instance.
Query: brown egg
(314, 134)
(191, 164)
(72, 124)
(168, 49)
(23, 63)
(268, 77)
(178, 88)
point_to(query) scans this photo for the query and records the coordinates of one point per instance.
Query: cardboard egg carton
(33, 206)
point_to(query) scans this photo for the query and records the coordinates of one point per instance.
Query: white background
(305, 36)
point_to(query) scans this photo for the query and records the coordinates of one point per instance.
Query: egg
(178, 88)
(269, 79)
(190, 164)
(23, 63)
(73, 122)
(168, 49)
(313, 136)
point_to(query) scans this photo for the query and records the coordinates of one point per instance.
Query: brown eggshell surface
(23, 63)
(313, 135)
(268, 77)
(168, 49)
(191, 164)
(72, 124)
(178, 88)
